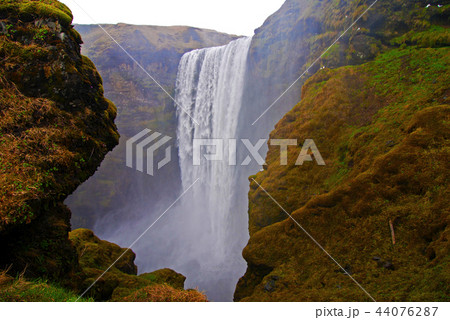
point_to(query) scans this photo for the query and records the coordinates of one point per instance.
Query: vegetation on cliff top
(310, 27)
(30, 10)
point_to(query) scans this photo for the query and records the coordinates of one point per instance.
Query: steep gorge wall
(382, 128)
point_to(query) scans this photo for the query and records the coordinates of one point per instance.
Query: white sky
(239, 17)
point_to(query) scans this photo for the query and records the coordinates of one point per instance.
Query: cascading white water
(209, 88)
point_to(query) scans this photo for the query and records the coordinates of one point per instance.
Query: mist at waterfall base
(203, 234)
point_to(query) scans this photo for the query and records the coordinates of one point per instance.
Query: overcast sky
(239, 17)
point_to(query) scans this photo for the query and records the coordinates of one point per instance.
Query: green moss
(435, 36)
(165, 276)
(100, 254)
(27, 9)
(21, 290)
(332, 56)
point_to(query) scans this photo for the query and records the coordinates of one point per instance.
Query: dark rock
(351, 164)
(38, 23)
(390, 143)
(388, 265)
(62, 36)
(3, 29)
(365, 47)
(347, 270)
(51, 25)
(57, 257)
(383, 264)
(270, 285)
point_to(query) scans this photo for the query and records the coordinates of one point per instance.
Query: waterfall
(209, 88)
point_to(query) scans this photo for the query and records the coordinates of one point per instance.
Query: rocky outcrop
(121, 282)
(100, 254)
(55, 129)
(167, 276)
(379, 205)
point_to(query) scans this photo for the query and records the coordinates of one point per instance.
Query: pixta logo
(145, 144)
(308, 150)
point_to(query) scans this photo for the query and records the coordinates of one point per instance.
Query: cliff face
(55, 129)
(141, 104)
(382, 129)
(291, 39)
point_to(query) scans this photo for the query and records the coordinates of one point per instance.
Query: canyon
(375, 104)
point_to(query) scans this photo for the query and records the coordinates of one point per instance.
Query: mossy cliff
(55, 129)
(382, 128)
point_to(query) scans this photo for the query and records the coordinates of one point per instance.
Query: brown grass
(165, 293)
